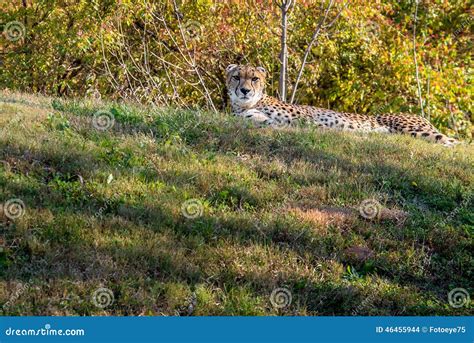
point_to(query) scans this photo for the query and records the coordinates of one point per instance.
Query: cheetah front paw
(451, 144)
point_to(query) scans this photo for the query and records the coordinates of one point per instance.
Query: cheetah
(246, 89)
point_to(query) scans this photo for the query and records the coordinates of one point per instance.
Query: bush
(364, 63)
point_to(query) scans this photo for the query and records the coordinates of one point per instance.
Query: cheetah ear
(262, 69)
(230, 67)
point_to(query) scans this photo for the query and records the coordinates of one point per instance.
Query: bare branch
(192, 60)
(314, 39)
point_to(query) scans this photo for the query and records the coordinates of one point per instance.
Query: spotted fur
(246, 89)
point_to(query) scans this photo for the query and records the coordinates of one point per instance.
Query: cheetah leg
(381, 129)
(257, 117)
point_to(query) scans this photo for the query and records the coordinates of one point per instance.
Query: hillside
(368, 57)
(263, 209)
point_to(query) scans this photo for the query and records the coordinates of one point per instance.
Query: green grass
(279, 209)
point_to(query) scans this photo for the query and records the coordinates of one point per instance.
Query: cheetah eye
(236, 77)
(255, 79)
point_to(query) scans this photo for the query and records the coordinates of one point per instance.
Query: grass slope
(280, 209)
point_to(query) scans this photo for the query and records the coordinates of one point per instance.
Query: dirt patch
(324, 217)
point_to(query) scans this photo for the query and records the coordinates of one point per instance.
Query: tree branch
(314, 38)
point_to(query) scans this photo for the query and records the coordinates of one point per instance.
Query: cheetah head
(245, 84)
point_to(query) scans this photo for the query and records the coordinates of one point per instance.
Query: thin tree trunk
(420, 99)
(285, 6)
(283, 56)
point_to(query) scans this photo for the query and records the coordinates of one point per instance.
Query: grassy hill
(193, 213)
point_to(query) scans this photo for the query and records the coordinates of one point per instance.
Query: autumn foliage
(174, 54)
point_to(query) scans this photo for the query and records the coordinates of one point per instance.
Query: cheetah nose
(244, 91)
